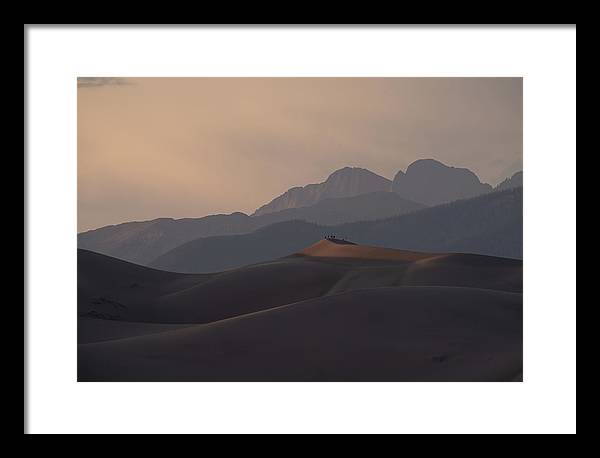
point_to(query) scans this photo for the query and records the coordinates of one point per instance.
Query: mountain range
(142, 242)
(346, 182)
(432, 183)
(426, 181)
(349, 195)
(515, 181)
(490, 224)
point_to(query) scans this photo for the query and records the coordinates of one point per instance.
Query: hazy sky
(189, 147)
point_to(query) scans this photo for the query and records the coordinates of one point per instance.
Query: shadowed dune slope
(383, 334)
(247, 290)
(133, 293)
(97, 330)
(444, 270)
(115, 290)
(106, 284)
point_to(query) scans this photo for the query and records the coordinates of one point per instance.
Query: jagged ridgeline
(349, 195)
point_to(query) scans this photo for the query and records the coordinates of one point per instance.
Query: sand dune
(384, 334)
(247, 290)
(333, 311)
(371, 267)
(138, 294)
(97, 330)
(111, 288)
(117, 290)
(333, 249)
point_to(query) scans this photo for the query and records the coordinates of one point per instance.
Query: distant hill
(346, 182)
(514, 181)
(348, 195)
(491, 224)
(213, 254)
(430, 182)
(142, 242)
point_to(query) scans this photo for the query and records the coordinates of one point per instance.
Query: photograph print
(299, 229)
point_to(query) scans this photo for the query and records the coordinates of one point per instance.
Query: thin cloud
(84, 81)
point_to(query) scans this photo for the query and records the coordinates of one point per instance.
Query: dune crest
(334, 249)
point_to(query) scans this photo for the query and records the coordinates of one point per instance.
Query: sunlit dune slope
(343, 249)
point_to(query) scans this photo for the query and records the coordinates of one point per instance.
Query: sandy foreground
(333, 312)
